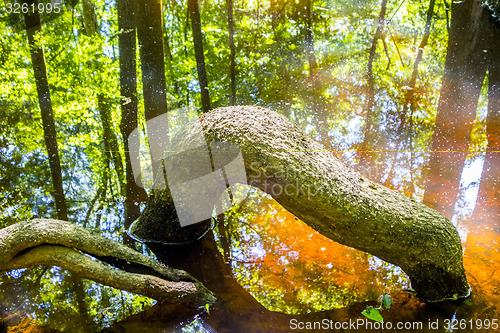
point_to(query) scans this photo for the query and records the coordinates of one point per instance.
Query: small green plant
(374, 313)
(207, 307)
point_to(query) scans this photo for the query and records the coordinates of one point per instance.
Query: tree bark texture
(194, 13)
(63, 244)
(33, 31)
(336, 201)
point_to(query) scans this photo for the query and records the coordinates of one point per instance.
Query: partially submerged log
(64, 244)
(330, 197)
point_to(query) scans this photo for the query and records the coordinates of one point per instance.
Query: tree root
(69, 246)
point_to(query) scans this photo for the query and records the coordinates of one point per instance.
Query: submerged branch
(60, 243)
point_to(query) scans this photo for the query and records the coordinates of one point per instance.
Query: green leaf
(386, 301)
(371, 313)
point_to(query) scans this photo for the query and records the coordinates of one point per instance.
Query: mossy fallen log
(329, 196)
(64, 244)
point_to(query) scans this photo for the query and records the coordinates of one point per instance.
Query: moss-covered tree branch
(63, 244)
(330, 197)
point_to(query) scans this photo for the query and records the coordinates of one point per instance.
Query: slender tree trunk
(186, 53)
(110, 140)
(169, 58)
(128, 91)
(311, 57)
(232, 68)
(148, 17)
(103, 188)
(365, 157)
(170, 61)
(194, 13)
(409, 102)
(111, 144)
(33, 30)
(488, 202)
(464, 73)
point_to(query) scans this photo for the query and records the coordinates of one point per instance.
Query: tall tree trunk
(488, 202)
(33, 30)
(311, 57)
(148, 18)
(128, 91)
(170, 61)
(110, 140)
(186, 53)
(366, 157)
(232, 68)
(465, 69)
(409, 102)
(168, 54)
(194, 13)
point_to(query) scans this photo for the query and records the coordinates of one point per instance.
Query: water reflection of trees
(309, 60)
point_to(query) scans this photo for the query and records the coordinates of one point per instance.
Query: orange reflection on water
(291, 268)
(481, 259)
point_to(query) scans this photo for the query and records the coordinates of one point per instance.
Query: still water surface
(275, 274)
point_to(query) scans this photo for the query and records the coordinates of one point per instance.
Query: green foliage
(386, 301)
(374, 313)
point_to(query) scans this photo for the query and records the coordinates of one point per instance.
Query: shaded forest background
(363, 77)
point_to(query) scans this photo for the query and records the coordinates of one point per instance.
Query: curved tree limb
(330, 197)
(55, 242)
